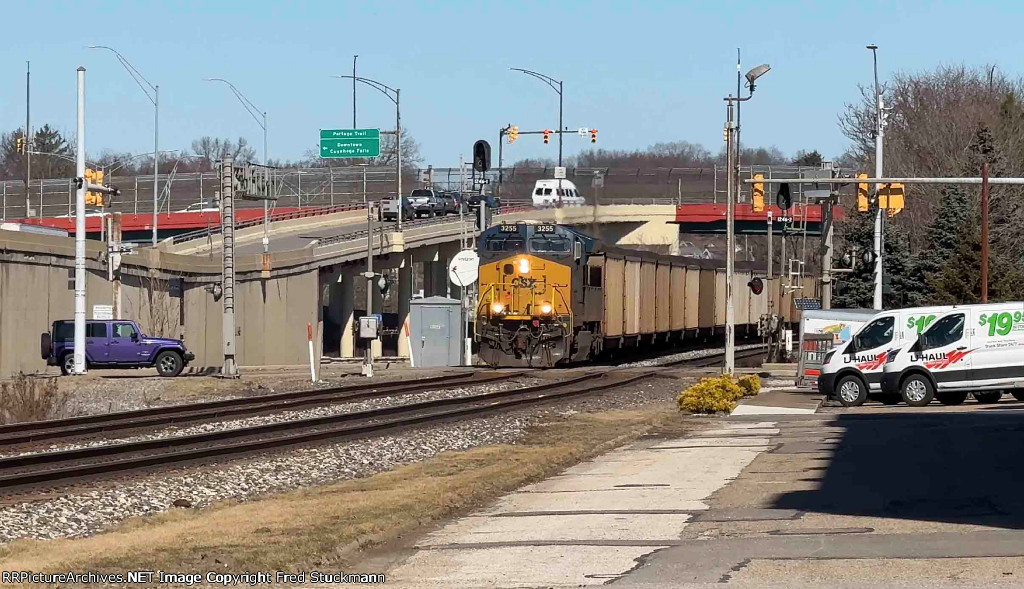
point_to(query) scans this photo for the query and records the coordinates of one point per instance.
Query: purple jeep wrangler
(113, 344)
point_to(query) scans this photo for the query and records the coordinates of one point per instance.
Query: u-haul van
(977, 348)
(854, 370)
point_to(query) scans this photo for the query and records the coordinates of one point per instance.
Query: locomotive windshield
(505, 244)
(549, 243)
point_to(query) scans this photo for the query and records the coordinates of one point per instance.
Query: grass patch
(330, 525)
(31, 399)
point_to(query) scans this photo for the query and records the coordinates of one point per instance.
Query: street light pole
(155, 99)
(732, 188)
(395, 95)
(879, 136)
(556, 85)
(354, 58)
(253, 110)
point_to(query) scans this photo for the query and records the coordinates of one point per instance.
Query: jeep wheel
(988, 397)
(67, 364)
(952, 397)
(917, 390)
(169, 363)
(851, 391)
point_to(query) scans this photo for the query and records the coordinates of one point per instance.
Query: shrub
(711, 395)
(750, 384)
(31, 399)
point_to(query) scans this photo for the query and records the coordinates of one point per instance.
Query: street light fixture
(253, 110)
(155, 99)
(732, 156)
(556, 85)
(394, 95)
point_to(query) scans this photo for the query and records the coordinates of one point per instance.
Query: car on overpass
(389, 209)
(426, 202)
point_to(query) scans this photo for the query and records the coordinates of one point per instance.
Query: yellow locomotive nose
(524, 266)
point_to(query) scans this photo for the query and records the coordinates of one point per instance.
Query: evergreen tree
(944, 236)
(856, 289)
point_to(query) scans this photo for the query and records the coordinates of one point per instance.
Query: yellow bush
(750, 384)
(711, 395)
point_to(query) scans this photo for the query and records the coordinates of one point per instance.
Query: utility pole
(227, 224)
(984, 232)
(80, 231)
(879, 136)
(368, 358)
(28, 134)
(354, 58)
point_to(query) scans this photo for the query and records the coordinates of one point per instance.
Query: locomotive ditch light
(497, 308)
(545, 309)
(524, 266)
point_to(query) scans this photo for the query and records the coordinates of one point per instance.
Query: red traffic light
(547, 136)
(756, 285)
(593, 135)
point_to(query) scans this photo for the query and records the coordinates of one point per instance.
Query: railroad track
(73, 427)
(714, 359)
(18, 473)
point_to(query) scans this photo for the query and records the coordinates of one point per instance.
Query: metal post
(497, 189)
(364, 185)
(79, 350)
(560, 126)
(266, 203)
(28, 145)
(354, 58)
(879, 135)
(115, 240)
(368, 361)
(156, 158)
(136, 195)
(398, 152)
(730, 336)
(826, 256)
(984, 232)
(227, 223)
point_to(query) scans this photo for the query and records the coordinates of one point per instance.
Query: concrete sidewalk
(789, 401)
(592, 523)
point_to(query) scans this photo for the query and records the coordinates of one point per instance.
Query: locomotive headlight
(545, 309)
(497, 308)
(524, 266)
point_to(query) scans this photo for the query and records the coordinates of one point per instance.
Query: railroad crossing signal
(547, 136)
(756, 285)
(513, 134)
(757, 194)
(862, 193)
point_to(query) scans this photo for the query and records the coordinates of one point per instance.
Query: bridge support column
(405, 285)
(378, 307)
(346, 301)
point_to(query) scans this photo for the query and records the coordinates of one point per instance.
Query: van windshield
(875, 334)
(943, 332)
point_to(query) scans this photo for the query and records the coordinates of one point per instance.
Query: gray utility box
(435, 331)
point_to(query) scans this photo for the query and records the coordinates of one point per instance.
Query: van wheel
(952, 397)
(169, 363)
(67, 364)
(1018, 394)
(917, 390)
(851, 391)
(988, 397)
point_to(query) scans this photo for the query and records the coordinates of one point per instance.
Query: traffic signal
(890, 197)
(783, 198)
(862, 193)
(757, 194)
(481, 156)
(756, 285)
(19, 145)
(513, 133)
(593, 135)
(547, 136)
(93, 177)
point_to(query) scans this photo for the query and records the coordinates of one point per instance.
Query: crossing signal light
(593, 135)
(756, 285)
(757, 194)
(547, 136)
(890, 197)
(862, 193)
(513, 133)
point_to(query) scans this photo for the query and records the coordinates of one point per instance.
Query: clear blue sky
(639, 72)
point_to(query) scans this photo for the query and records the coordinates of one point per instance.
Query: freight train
(550, 295)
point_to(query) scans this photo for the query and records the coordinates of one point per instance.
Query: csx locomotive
(550, 295)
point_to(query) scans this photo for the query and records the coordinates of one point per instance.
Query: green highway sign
(338, 143)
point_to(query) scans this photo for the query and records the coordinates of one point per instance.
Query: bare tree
(210, 149)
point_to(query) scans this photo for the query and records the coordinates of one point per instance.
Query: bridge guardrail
(284, 216)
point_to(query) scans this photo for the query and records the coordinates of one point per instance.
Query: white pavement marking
(571, 509)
